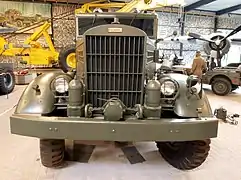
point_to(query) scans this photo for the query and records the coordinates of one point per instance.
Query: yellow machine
(126, 7)
(33, 53)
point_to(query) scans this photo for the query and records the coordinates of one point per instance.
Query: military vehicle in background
(25, 21)
(117, 94)
(15, 18)
(223, 80)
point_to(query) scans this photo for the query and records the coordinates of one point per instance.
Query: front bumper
(129, 130)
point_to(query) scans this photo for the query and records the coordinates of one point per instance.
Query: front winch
(113, 110)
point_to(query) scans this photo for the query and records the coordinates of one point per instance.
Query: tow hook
(221, 113)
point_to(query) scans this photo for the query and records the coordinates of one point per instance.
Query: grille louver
(114, 68)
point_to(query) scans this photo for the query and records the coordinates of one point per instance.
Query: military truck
(222, 80)
(116, 94)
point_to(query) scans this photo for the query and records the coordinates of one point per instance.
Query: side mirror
(192, 81)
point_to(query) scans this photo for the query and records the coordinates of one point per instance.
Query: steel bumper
(129, 130)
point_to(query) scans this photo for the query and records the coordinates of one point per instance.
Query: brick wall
(64, 28)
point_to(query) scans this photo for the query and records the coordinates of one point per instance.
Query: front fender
(41, 101)
(187, 106)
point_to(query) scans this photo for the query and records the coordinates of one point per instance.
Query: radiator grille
(114, 68)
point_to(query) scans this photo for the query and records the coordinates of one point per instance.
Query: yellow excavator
(33, 53)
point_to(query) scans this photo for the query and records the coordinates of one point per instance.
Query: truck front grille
(114, 68)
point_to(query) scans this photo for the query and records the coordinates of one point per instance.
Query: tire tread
(52, 152)
(189, 156)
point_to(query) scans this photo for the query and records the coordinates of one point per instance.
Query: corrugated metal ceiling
(231, 6)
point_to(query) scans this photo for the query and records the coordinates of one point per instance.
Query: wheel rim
(220, 87)
(8, 80)
(71, 60)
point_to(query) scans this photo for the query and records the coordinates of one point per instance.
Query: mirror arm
(157, 41)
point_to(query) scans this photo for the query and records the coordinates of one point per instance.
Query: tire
(64, 53)
(221, 86)
(185, 155)
(52, 152)
(7, 81)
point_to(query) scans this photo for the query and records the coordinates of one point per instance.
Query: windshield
(145, 24)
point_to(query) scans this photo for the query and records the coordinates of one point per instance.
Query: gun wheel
(185, 155)
(52, 152)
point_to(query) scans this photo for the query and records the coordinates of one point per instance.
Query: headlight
(168, 88)
(61, 85)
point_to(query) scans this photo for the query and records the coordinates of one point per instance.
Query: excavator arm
(124, 7)
(31, 51)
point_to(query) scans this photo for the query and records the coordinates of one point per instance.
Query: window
(145, 24)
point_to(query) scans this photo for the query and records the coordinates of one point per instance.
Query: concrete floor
(20, 155)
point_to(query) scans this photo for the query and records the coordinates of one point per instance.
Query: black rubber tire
(63, 56)
(186, 155)
(52, 152)
(223, 81)
(6, 89)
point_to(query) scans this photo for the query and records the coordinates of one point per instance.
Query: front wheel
(221, 86)
(7, 81)
(185, 155)
(52, 152)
